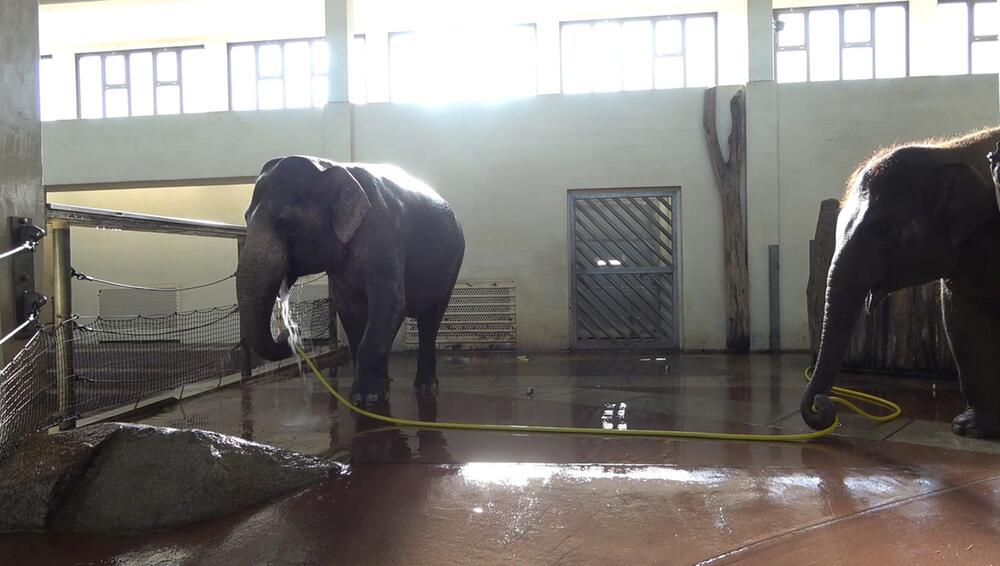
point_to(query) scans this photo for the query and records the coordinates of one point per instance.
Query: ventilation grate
(481, 315)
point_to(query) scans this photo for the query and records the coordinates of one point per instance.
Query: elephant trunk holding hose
(390, 245)
(913, 214)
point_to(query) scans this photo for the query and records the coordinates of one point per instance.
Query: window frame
(972, 37)
(652, 20)
(257, 44)
(841, 9)
(391, 34)
(127, 85)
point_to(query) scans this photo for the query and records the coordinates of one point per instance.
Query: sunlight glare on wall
(985, 50)
(438, 66)
(952, 52)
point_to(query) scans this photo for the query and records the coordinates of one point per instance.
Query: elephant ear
(352, 202)
(966, 200)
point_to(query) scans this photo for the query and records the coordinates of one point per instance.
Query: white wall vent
(482, 315)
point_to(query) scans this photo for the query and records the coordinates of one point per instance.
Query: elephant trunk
(843, 303)
(263, 265)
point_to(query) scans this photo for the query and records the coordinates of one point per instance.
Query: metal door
(624, 276)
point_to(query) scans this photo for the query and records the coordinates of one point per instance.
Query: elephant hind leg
(353, 313)
(972, 328)
(428, 324)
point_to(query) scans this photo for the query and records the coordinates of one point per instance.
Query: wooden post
(729, 181)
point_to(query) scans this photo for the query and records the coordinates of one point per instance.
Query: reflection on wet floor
(426, 496)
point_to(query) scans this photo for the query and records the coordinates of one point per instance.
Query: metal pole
(63, 310)
(774, 296)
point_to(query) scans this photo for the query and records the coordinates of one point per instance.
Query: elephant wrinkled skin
(391, 247)
(913, 214)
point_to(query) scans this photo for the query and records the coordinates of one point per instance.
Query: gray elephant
(390, 245)
(913, 214)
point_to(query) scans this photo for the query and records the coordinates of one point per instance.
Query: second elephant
(913, 214)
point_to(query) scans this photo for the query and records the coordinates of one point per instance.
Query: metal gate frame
(675, 198)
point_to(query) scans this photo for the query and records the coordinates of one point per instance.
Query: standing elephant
(913, 214)
(390, 245)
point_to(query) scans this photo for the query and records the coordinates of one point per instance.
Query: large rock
(126, 478)
(40, 473)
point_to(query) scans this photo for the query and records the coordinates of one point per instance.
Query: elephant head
(903, 221)
(303, 214)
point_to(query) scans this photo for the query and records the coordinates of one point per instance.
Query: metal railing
(69, 370)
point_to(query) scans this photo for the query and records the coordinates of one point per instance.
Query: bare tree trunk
(822, 256)
(729, 180)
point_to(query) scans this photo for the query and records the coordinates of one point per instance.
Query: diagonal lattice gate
(624, 269)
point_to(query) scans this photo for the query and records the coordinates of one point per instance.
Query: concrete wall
(507, 169)
(21, 192)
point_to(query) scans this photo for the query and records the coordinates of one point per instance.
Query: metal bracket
(27, 300)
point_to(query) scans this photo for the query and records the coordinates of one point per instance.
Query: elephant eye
(880, 228)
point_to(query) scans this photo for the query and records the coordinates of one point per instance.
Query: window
(463, 64)
(358, 81)
(140, 82)
(638, 54)
(267, 75)
(842, 42)
(967, 32)
(47, 91)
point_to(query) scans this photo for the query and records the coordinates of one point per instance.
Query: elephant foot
(370, 397)
(426, 385)
(976, 424)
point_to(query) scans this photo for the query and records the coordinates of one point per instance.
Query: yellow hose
(848, 393)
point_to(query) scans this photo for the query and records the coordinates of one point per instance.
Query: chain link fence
(116, 361)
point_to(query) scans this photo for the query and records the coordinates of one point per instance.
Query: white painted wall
(507, 169)
(188, 146)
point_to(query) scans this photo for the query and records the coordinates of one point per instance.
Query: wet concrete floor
(906, 492)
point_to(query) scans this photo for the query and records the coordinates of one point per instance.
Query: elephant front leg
(371, 383)
(972, 329)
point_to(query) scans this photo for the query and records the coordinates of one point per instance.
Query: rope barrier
(164, 333)
(29, 245)
(14, 332)
(84, 277)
